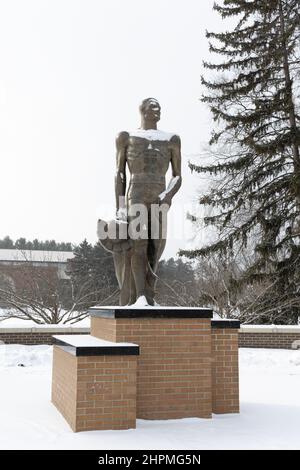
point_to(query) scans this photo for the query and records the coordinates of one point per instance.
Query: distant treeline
(23, 244)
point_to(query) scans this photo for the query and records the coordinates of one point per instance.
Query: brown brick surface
(64, 384)
(174, 366)
(104, 328)
(225, 373)
(246, 340)
(95, 392)
(268, 340)
(30, 338)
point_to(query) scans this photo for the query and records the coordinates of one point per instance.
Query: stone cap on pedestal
(150, 312)
(87, 345)
(225, 324)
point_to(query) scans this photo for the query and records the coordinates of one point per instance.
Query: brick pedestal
(187, 367)
(175, 370)
(94, 383)
(225, 366)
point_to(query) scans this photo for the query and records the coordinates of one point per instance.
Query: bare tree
(177, 293)
(222, 285)
(45, 297)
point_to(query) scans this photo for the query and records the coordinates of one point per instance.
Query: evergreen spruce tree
(80, 265)
(35, 244)
(23, 244)
(6, 243)
(172, 270)
(92, 273)
(254, 100)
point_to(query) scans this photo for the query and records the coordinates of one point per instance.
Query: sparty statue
(137, 236)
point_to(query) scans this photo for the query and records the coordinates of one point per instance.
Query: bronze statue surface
(137, 237)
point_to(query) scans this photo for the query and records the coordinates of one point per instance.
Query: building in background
(16, 264)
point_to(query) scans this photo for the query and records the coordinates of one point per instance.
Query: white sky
(72, 74)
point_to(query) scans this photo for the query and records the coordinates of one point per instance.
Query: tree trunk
(291, 105)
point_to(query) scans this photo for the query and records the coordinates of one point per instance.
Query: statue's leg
(139, 259)
(139, 266)
(159, 246)
(132, 297)
(123, 272)
(156, 247)
(158, 237)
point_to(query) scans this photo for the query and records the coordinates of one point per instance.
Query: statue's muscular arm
(120, 178)
(175, 182)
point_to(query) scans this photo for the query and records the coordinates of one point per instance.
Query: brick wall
(106, 392)
(263, 336)
(64, 384)
(35, 336)
(105, 328)
(95, 392)
(174, 366)
(225, 370)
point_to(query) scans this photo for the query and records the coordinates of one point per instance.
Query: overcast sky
(72, 75)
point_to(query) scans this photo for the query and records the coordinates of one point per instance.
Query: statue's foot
(141, 302)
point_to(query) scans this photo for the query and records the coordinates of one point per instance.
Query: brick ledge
(91, 346)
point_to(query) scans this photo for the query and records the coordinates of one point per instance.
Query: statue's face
(152, 111)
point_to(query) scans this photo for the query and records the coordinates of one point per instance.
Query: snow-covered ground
(269, 418)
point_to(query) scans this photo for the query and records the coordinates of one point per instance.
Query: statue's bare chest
(144, 148)
(148, 156)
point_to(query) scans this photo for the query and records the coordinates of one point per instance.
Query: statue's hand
(121, 214)
(164, 198)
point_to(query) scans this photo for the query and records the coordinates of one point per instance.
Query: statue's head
(150, 109)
